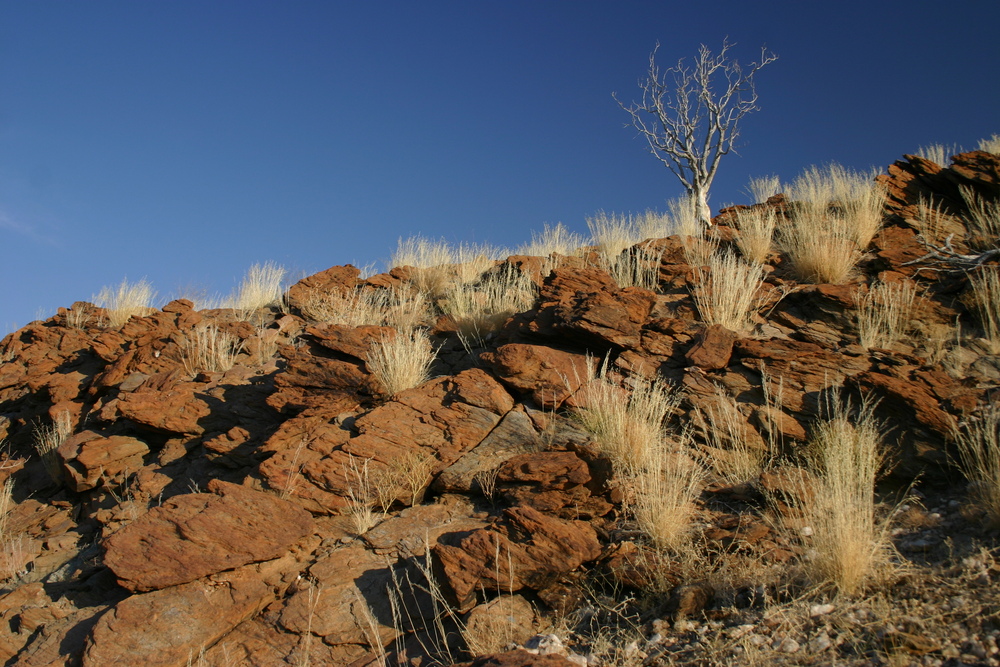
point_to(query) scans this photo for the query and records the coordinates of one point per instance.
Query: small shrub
(261, 287)
(986, 300)
(979, 455)
(727, 293)
(401, 361)
(884, 313)
(125, 300)
(756, 238)
(208, 348)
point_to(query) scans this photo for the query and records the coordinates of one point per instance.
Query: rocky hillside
(286, 508)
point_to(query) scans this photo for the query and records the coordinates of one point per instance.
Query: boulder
(198, 534)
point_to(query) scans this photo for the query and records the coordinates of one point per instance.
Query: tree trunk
(704, 213)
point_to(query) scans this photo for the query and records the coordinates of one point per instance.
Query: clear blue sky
(184, 141)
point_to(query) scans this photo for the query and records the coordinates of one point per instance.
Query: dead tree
(688, 124)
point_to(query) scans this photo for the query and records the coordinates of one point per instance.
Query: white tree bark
(688, 125)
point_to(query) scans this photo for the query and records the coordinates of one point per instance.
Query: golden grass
(938, 153)
(835, 216)
(261, 287)
(986, 300)
(126, 300)
(756, 238)
(819, 252)
(991, 144)
(736, 460)
(207, 348)
(982, 220)
(683, 213)
(401, 361)
(884, 313)
(727, 293)
(850, 545)
(12, 554)
(352, 308)
(763, 188)
(554, 240)
(638, 266)
(979, 455)
(479, 309)
(930, 220)
(47, 439)
(613, 232)
(663, 481)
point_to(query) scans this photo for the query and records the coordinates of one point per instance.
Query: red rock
(713, 349)
(195, 535)
(548, 375)
(340, 278)
(167, 627)
(89, 458)
(176, 410)
(524, 550)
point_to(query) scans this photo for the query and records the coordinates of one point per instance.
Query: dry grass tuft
(261, 287)
(663, 480)
(401, 361)
(736, 459)
(481, 308)
(979, 455)
(727, 293)
(851, 546)
(756, 226)
(986, 300)
(638, 266)
(353, 308)
(684, 217)
(47, 439)
(990, 145)
(207, 348)
(884, 313)
(126, 300)
(13, 558)
(614, 232)
(982, 220)
(554, 240)
(938, 153)
(433, 260)
(931, 219)
(763, 188)
(836, 214)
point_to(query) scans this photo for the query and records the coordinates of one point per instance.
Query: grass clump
(726, 294)
(851, 546)
(735, 456)
(991, 144)
(835, 216)
(261, 287)
(939, 154)
(47, 439)
(479, 309)
(884, 313)
(663, 480)
(638, 266)
(756, 238)
(982, 220)
(210, 349)
(401, 360)
(554, 240)
(979, 456)
(763, 188)
(986, 301)
(125, 300)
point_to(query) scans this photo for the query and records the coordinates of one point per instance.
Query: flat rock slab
(198, 534)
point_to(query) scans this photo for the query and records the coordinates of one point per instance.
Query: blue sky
(184, 141)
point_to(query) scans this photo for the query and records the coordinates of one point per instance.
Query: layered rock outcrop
(284, 511)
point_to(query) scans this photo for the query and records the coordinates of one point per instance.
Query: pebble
(820, 643)
(786, 645)
(820, 610)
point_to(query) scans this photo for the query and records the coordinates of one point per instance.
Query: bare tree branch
(687, 125)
